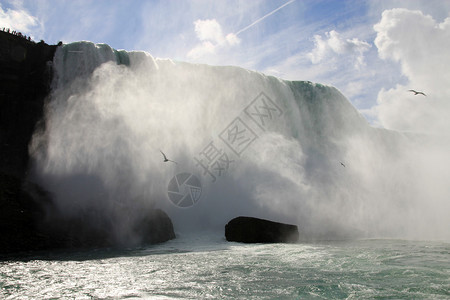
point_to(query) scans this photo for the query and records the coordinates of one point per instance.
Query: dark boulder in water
(155, 227)
(254, 230)
(94, 229)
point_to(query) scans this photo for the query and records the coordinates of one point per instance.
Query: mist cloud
(419, 44)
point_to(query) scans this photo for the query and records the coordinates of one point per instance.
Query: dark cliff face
(25, 76)
(28, 218)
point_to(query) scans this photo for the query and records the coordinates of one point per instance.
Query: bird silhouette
(342, 164)
(417, 93)
(166, 159)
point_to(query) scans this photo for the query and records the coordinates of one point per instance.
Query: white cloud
(232, 39)
(420, 45)
(17, 19)
(335, 44)
(320, 50)
(209, 32)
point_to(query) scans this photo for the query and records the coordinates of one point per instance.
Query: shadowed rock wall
(25, 76)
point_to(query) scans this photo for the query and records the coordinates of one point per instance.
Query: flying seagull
(416, 92)
(165, 157)
(342, 164)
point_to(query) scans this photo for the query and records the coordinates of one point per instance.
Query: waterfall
(243, 144)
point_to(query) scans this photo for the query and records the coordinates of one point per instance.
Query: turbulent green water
(210, 267)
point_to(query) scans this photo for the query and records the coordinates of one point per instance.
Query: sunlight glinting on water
(185, 269)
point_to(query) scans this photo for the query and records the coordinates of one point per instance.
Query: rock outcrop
(254, 230)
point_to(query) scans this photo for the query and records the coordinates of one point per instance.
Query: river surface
(208, 267)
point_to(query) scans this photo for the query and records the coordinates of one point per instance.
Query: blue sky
(331, 42)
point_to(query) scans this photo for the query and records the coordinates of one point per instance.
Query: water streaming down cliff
(259, 145)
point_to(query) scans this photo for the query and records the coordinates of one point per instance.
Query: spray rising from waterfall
(293, 152)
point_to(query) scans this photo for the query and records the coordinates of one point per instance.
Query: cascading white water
(259, 145)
